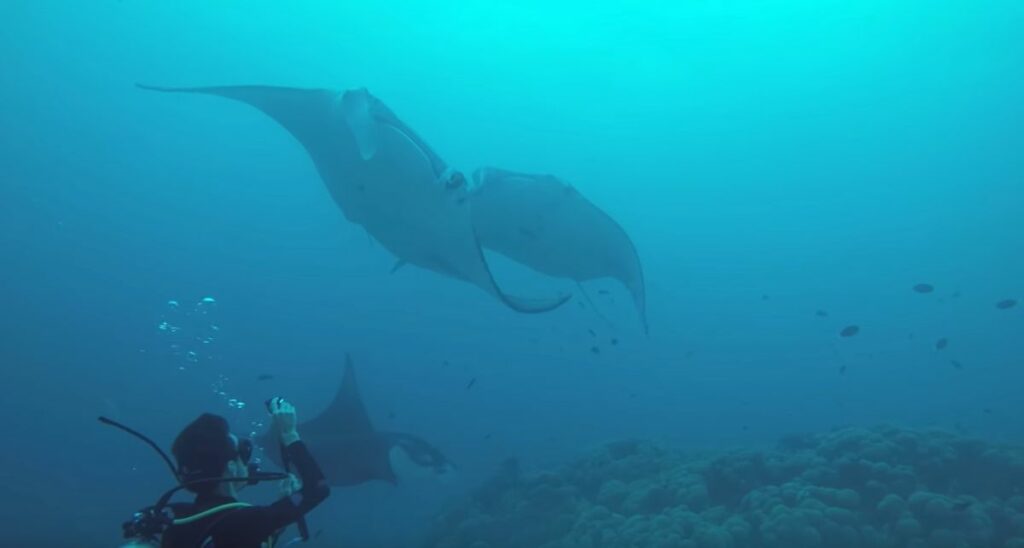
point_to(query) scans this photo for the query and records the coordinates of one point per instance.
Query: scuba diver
(214, 464)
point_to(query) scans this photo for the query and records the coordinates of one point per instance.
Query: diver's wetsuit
(250, 526)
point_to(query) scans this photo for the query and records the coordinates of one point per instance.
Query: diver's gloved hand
(290, 486)
(284, 419)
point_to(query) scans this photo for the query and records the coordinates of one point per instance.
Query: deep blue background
(768, 159)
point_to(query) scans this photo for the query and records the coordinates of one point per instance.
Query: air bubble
(168, 327)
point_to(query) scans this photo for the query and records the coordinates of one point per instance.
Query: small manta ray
(385, 178)
(350, 451)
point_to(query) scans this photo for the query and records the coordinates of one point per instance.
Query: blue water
(768, 159)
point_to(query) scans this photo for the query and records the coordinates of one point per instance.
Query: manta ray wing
(543, 223)
(383, 177)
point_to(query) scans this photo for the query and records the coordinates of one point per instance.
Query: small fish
(615, 342)
(445, 363)
(745, 428)
(987, 410)
(591, 331)
(941, 344)
(821, 313)
(487, 436)
(391, 414)
(765, 297)
(924, 288)
(265, 377)
(632, 395)
(580, 303)
(1006, 304)
(955, 295)
(595, 350)
(842, 370)
(471, 383)
(956, 364)
(849, 331)
(602, 291)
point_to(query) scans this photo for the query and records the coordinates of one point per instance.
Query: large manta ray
(383, 177)
(539, 221)
(350, 451)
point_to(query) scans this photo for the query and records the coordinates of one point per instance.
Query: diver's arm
(314, 486)
(288, 438)
(289, 509)
(294, 451)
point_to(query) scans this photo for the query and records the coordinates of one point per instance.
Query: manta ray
(383, 176)
(543, 223)
(348, 448)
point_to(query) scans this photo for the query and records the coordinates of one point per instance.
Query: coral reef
(855, 487)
